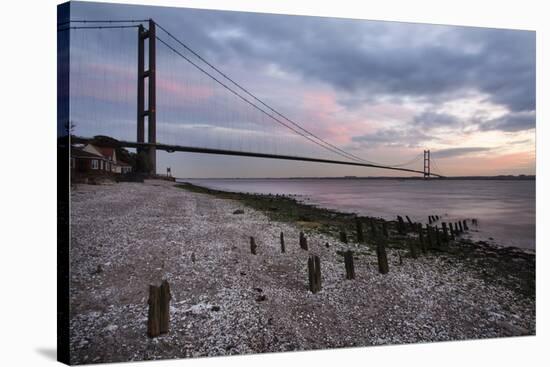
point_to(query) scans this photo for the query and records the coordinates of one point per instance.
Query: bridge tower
(426, 163)
(149, 113)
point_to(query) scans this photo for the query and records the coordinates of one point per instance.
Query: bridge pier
(426, 164)
(150, 152)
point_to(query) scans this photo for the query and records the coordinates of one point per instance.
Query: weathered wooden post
(385, 229)
(303, 241)
(400, 259)
(445, 234)
(382, 257)
(460, 225)
(430, 219)
(410, 222)
(165, 297)
(451, 231)
(158, 320)
(253, 246)
(348, 262)
(465, 225)
(343, 236)
(359, 230)
(400, 225)
(153, 319)
(430, 236)
(314, 272)
(437, 237)
(412, 249)
(421, 237)
(373, 228)
(282, 242)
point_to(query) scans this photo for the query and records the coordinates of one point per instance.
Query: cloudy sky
(384, 91)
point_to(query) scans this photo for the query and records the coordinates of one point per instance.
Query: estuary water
(505, 209)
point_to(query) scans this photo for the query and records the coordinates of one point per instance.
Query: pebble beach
(227, 301)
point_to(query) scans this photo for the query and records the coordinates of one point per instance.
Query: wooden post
(282, 242)
(460, 226)
(400, 258)
(445, 234)
(437, 237)
(400, 225)
(412, 249)
(158, 320)
(303, 241)
(385, 229)
(314, 272)
(430, 219)
(165, 297)
(373, 228)
(343, 237)
(382, 257)
(451, 231)
(430, 236)
(421, 239)
(311, 273)
(410, 222)
(359, 230)
(348, 261)
(465, 225)
(253, 246)
(153, 320)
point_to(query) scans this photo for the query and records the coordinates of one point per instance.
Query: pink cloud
(182, 92)
(325, 117)
(490, 165)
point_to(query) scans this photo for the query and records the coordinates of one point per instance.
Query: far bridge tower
(426, 163)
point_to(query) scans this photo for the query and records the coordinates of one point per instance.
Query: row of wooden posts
(159, 296)
(434, 240)
(314, 262)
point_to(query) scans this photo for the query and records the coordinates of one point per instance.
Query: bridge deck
(180, 148)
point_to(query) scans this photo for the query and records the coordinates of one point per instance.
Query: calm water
(505, 209)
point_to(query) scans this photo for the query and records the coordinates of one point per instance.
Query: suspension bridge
(170, 98)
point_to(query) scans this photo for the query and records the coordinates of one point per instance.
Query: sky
(383, 91)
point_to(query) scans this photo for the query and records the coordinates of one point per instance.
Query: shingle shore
(126, 236)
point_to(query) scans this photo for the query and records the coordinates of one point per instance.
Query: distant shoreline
(488, 178)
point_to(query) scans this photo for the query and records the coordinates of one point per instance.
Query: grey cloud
(393, 137)
(379, 58)
(367, 58)
(511, 122)
(430, 119)
(457, 152)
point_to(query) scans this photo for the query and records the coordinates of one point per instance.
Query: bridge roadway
(180, 148)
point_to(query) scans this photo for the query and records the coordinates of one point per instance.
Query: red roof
(106, 152)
